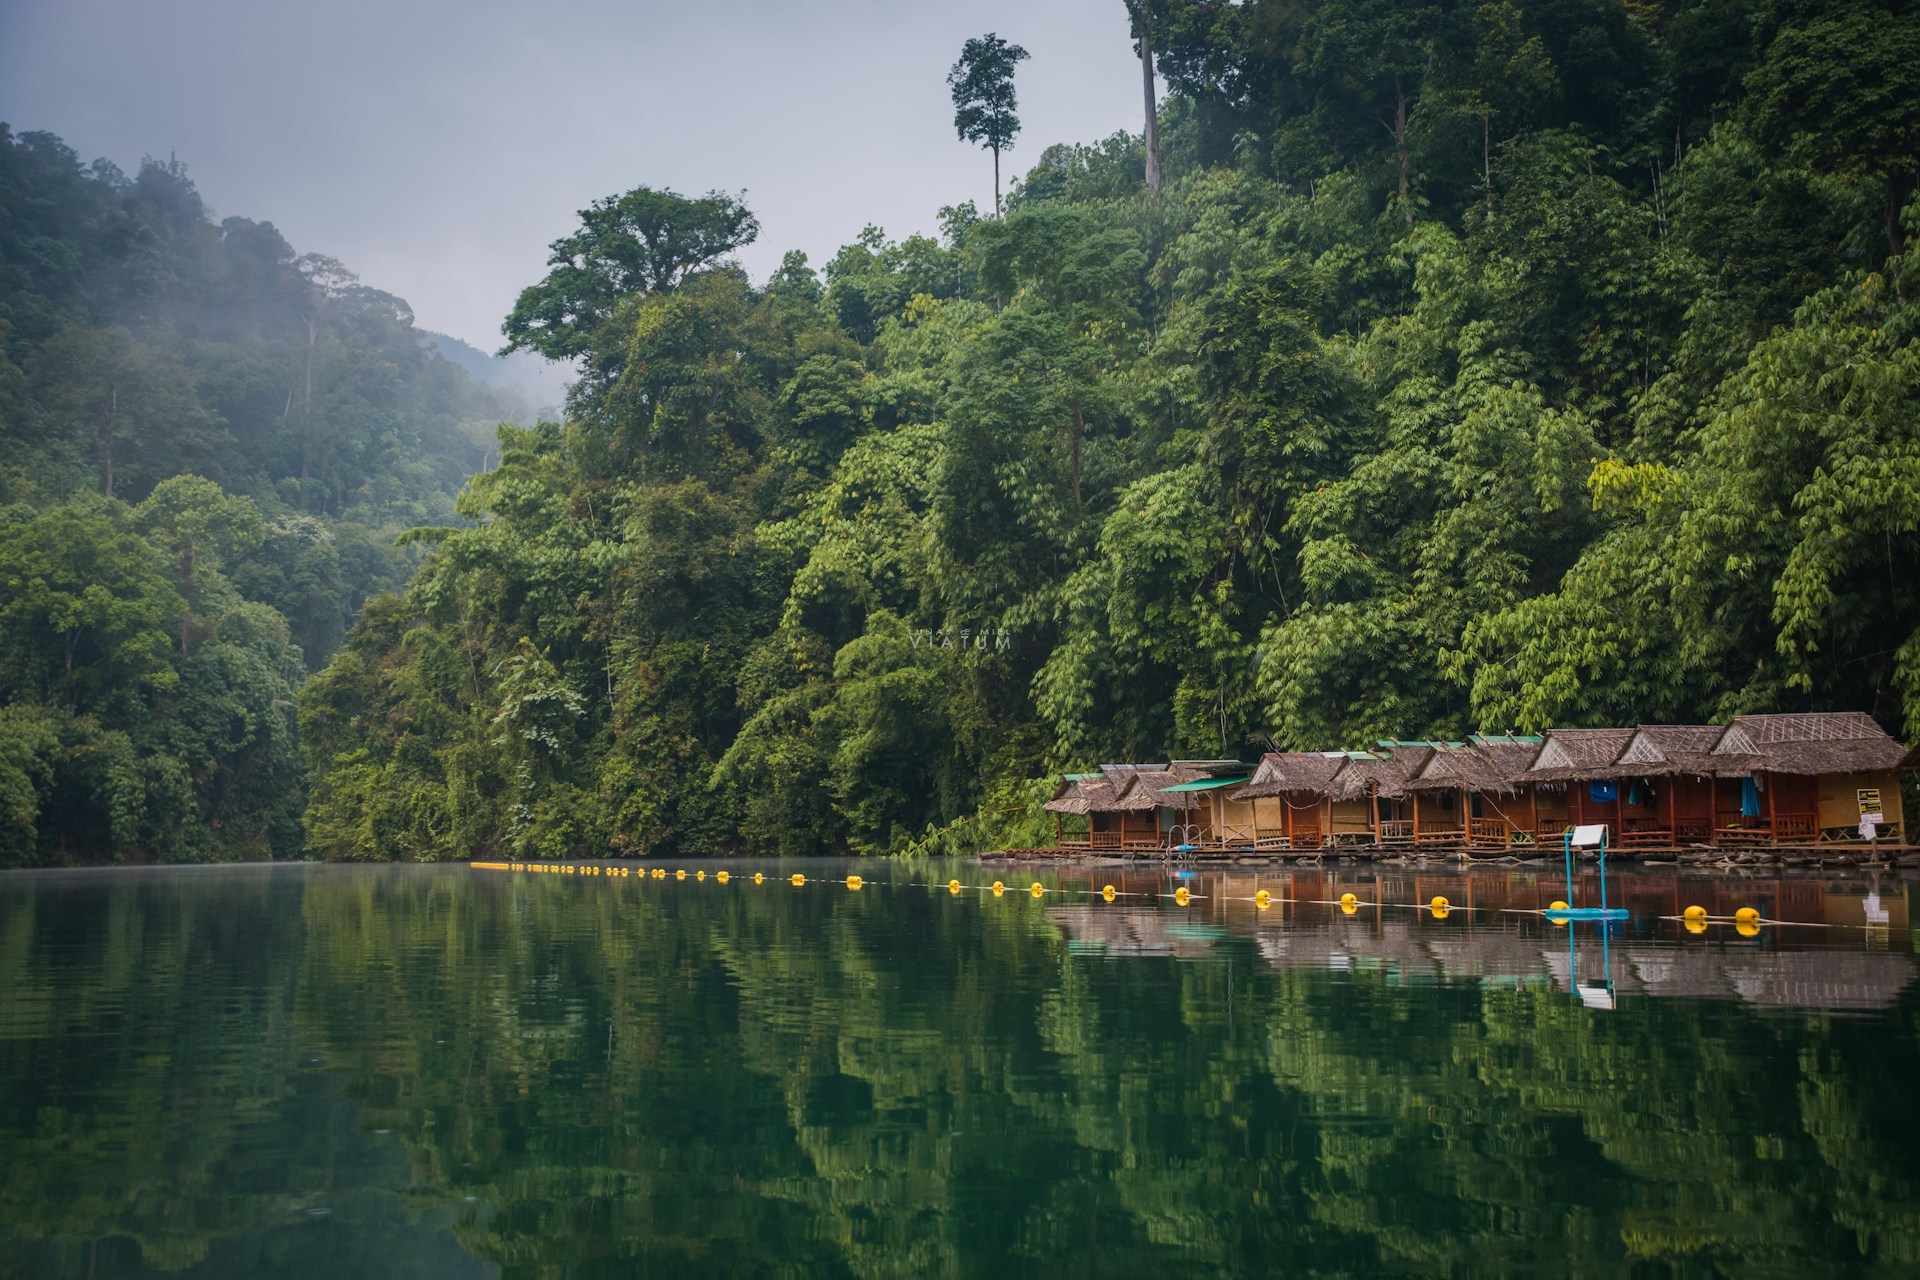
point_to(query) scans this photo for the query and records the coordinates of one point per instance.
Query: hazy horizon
(441, 155)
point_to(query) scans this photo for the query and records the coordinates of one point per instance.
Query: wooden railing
(1396, 831)
(1236, 833)
(1487, 831)
(1794, 826)
(1104, 840)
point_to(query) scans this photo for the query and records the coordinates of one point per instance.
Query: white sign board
(1587, 836)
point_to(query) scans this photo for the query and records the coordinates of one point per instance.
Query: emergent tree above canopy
(641, 242)
(983, 101)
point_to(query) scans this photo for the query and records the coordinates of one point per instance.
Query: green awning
(1205, 784)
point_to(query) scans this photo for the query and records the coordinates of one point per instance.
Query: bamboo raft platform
(1880, 854)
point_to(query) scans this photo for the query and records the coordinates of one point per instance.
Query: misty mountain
(542, 382)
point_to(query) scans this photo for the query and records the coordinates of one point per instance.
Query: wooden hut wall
(1269, 817)
(1435, 813)
(1350, 817)
(1690, 803)
(1726, 806)
(1642, 806)
(1552, 807)
(1304, 827)
(1840, 803)
(1790, 804)
(1588, 810)
(1233, 820)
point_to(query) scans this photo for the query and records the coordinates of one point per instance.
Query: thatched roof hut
(1281, 772)
(1812, 743)
(1366, 774)
(1142, 791)
(1574, 755)
(1081, 793)
(1472, 766)
(1673, 750)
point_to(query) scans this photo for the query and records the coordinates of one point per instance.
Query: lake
(448, 1071)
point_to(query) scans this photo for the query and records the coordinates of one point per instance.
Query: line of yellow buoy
(1262, 899)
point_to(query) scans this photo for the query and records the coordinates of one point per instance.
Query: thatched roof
(1281, 772)
(1366, 774)
(1142, 791)
(1813, 743)
(1571, 755)
(1669, 750)
(1470, 766)
(1411, 756)
(1081, 793)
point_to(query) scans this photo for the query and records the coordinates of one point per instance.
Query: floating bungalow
(1759, 780)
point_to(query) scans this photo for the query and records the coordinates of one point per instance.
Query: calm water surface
(442, 1071)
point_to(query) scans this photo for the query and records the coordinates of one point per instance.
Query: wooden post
(1673, 813)
(1533, 810)
(1772, 834)
(1416, 817)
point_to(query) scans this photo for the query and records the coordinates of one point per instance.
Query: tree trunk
(1400, 144)
(996, 182)
(1895, 242)
(1486, 154)
(105, 438)
(1153, 115)
(1079, 429)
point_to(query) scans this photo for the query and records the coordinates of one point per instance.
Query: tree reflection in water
(438, 1071)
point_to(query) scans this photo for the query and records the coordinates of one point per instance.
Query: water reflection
(437, 1071)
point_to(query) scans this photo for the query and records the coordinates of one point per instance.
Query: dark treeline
(1475, 366)
(207, 446)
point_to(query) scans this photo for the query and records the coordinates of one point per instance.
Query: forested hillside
(1491, 366)
(208, 445)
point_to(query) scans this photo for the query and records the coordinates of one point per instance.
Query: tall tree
(983, 101)
(641, 242)
(1142, 19)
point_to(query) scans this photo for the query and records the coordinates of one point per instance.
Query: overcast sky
(437, 147)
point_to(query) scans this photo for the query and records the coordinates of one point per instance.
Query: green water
(440, 1071)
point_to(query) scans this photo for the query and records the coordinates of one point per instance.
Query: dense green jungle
(1442, 366)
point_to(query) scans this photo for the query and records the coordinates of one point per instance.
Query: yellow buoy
(659, 873)
(759, 877)
(1181, 896)
(1748, 928)
(1746, 915)
(798, 879)
(699, 875)
(1439, 903)
(1036, 888)
(1349, 901)
(1441, 913)
(1695, 924)
(854, 882)
(1694, 913)
(953, 886)
(1263, 899)
(1107, 892)
(722, 877)
(998, 888)
(1555, 905)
